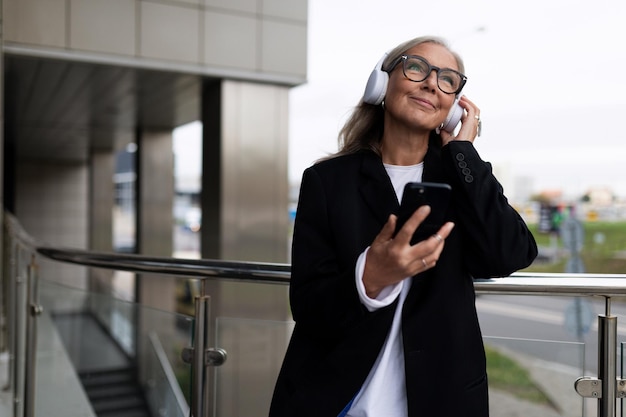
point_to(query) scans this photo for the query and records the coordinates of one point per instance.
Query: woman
(383, 327)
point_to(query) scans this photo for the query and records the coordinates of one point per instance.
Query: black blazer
(344, 202)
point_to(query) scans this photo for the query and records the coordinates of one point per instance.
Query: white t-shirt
(383, 393)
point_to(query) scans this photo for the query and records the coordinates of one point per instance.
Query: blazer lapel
(433, 169)
(376, 188)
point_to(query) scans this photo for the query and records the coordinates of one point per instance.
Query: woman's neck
(403, 147)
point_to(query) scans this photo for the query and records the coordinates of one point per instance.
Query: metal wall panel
(245, 181)
(254, 172)
(245, 217)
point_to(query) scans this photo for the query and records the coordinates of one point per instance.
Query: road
(548, 327)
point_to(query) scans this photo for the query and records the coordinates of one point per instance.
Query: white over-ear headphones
(376, 84)
(376, 89)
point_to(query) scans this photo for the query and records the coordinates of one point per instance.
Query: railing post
(19, 342)
(607, 361)
(201, 358)
(605, 387)
(198, 402)
(11, 288)
(34, 310)
(206, 411)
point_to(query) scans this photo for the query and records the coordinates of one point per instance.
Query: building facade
(82, 79)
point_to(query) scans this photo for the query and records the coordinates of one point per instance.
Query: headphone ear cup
(453, 118)
(376, 87)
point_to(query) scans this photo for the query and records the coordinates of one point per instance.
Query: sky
(548, 76)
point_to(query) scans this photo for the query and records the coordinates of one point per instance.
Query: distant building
(601, 204)
(600, 196)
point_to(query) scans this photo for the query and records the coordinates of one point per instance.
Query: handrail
(570, 284)
(273, 273)
(198, 268)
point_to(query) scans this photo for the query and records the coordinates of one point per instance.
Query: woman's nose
(431, 80)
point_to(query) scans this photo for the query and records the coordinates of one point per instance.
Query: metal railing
(606, 388)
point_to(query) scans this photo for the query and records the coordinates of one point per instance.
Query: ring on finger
(438, 237)
(424, 262)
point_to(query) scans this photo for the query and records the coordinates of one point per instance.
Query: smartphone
(416, 194)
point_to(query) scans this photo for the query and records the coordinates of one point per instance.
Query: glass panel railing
(111, 354)
(558, 333)
(535, 377)
(527, 377)
(245, 382)
(57, 385)
(253, 326)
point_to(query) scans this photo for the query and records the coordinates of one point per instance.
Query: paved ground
(505, 405)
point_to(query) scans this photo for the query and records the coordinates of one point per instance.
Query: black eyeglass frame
(431, 68)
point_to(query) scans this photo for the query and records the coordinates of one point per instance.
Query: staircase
(115, 393)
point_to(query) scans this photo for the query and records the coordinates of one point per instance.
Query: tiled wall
(267, 36)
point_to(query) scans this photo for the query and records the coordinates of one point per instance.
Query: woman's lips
(423, 102)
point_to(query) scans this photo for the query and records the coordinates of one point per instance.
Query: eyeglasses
(417, 69)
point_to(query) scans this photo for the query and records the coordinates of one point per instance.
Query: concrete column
(101, 215)
(155, 196)
(155, 191)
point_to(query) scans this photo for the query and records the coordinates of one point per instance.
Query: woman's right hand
(391, 259)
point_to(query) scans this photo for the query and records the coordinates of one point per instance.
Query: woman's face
(420, 104)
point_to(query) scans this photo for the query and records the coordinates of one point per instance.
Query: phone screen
(417, 194)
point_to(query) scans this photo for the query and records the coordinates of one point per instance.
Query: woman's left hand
(470, 123)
